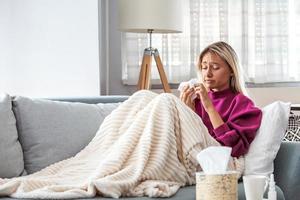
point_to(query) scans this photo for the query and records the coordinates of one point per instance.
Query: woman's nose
(209, 73)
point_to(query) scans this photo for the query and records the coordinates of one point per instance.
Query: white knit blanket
(146, 147)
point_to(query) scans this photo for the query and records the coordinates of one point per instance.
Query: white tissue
(214, 160)
(191, 83)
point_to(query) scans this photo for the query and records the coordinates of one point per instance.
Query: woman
(229, 116)
(148, 145)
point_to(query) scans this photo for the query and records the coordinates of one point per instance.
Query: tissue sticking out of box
(214, 160)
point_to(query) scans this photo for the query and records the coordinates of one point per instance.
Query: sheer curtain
(264, 33)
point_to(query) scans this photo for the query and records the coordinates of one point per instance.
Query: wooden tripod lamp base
(145, 73)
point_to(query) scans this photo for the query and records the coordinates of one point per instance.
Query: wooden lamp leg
(145, 72)
(161, 72)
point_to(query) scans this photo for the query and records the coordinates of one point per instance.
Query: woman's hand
(186, 97)
(208, 106)
(201, 93)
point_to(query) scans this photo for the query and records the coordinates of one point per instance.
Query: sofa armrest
(287, 169)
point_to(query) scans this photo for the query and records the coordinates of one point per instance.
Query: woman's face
(215, 72)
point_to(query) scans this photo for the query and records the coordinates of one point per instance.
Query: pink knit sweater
(241, 117)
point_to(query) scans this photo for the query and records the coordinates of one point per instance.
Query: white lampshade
(163, 16)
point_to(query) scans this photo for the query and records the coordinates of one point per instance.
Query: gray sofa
(42, 132)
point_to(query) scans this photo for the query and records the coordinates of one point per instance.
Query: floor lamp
(151, 16)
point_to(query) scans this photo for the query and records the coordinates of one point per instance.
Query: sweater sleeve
(240, 128)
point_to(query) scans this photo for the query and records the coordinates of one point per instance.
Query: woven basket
(217, 186)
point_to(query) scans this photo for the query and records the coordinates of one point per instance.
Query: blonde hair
(227, 54)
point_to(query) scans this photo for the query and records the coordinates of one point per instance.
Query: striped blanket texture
(145, 147)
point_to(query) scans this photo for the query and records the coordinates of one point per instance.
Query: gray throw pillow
(11, 155)
(50, 131)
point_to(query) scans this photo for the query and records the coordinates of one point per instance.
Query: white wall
(264, 96)
(49, 47)
(112, 65)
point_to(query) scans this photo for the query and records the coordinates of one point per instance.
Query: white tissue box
(217, 186)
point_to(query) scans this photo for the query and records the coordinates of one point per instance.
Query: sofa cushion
(50, 131)
(293, 131)
(264, 148)
(11, 155)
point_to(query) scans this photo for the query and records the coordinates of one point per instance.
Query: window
(265, 35)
